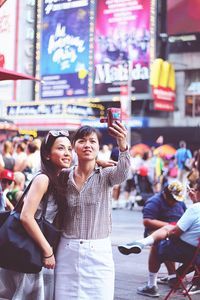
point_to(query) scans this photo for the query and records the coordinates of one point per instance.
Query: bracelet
(124, 149)
(45, 257)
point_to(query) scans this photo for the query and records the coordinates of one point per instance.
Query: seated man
(161, 209)
(173, 242)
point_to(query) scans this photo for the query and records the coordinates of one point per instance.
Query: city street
(132, 270)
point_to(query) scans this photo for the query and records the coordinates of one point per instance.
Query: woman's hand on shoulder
(106, 163)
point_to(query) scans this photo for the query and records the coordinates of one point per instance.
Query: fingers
(118, 130)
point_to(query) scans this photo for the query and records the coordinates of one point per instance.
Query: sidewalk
(132, 270)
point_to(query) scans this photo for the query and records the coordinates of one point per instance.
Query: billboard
(121, 50)
(162, 80)
(183, 16)
(45, 115)
(7, 46)
(64, 48)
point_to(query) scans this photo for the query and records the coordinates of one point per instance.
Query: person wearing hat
(6, 179)
(163, 208)
(179, 249)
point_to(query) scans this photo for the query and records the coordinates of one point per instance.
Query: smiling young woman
(56, 154)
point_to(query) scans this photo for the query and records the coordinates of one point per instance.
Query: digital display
(183, 16)
(65, 48)
(122, 46)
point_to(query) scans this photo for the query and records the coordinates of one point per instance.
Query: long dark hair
(47, 167)
(57, 185)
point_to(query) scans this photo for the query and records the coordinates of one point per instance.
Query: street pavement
(132, 270)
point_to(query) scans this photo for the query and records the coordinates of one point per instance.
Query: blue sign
(135, 122)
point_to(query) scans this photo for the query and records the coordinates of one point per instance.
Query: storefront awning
(2, 2)
(11, 75)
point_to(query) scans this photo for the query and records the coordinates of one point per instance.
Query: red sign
(165, 94)
(163, 105)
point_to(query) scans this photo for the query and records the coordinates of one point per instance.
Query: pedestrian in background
(7, 154)
(17, 188)
(182, 156)
(85, 267)
(6, 181)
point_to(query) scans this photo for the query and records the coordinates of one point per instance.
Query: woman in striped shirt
(85, 268)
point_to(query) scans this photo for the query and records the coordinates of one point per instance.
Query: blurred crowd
(19, 160)
(152, 169)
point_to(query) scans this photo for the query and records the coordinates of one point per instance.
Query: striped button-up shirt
(88, 211)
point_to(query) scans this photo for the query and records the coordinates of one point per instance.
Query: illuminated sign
(162, 80)
(45, 115)
(122, 46)
(136, 122)
(46, 109)
(28, 132)
(175, 12)
(64, 62)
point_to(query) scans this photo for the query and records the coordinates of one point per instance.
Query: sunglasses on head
(55, 134)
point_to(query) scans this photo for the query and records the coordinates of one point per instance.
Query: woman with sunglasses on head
(56, 154)
(84, 262)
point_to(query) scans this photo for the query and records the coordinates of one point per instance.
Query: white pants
(84, 270)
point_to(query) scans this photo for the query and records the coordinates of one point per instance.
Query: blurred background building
(142, 56)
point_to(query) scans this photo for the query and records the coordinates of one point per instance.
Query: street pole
(129, 102)
(125, 99)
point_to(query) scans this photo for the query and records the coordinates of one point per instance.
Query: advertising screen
(121, 52)
(64, 48)
(183, 16)
(7, 46)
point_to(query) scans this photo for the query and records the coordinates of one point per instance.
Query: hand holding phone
(113, 114)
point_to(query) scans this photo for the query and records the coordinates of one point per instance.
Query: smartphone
(113, 114)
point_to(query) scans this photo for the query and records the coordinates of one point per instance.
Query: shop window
(192, 106)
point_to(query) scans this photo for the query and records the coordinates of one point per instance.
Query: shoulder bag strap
(20, 202)
(18, 206)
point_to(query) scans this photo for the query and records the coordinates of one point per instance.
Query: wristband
(45, 257)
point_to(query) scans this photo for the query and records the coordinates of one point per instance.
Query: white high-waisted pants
(84, 270)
